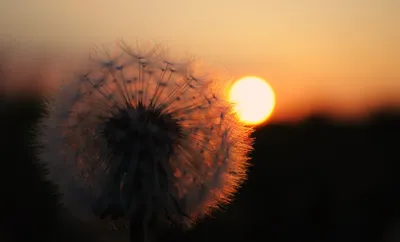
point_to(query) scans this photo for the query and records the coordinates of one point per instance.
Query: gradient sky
(341, 55)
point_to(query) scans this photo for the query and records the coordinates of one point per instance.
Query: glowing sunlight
(254, 99)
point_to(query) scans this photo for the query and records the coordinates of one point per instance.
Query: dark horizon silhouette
(315, 180)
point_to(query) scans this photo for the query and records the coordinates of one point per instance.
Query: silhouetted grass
(317, 180)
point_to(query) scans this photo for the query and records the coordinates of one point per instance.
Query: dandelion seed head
(137, 132)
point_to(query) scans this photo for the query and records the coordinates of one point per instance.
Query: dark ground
(317, 180)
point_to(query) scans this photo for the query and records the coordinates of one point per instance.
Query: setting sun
(253, 98)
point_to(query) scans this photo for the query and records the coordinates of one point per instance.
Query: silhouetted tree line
(317, 180)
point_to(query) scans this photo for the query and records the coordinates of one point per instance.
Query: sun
(254, 99)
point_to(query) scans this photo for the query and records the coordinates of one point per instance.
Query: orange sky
(337, 55)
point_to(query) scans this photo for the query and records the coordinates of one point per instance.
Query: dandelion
(140, 138)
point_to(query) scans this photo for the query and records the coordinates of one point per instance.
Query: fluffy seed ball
(136, 135)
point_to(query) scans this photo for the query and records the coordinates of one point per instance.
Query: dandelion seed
(143, 140)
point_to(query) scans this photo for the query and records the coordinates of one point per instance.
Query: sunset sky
(340, 55)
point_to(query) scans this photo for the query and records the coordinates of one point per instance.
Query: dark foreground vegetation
(317, 180)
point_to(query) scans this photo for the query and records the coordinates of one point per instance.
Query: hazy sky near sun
(345, 51)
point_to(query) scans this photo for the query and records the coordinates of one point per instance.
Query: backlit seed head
(136, 135)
